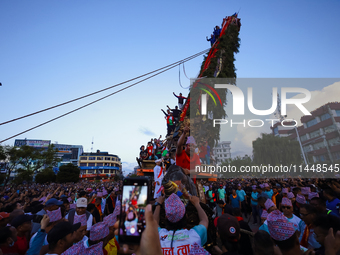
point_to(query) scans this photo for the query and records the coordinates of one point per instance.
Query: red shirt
(184, 161)
(22, 245)
(150, 150)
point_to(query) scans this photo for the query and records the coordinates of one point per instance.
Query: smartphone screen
(135, 197)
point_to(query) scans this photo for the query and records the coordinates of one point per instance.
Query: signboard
(32, 143)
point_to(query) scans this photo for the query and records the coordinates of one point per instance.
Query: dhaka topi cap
(174, 208)
(312, 194)
(280, 228)
(96, 249)
(285, 190)
(269, 203)
(305, 190)
(73, 206)
(266, 185)
(300, 199)
(286, 202)
(290, 195)
(76, 249)
(254, 187)
(99, 231)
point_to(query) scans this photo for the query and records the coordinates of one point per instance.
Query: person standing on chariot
(158, 177)
(187, 158)
(180, 100)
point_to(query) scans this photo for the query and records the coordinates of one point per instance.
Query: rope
(96, 92)
(60, 116)
(179, 76)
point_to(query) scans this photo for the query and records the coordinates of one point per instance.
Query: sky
(54, 51)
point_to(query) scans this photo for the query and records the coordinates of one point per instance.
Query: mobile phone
(135, 197)
(37, 218)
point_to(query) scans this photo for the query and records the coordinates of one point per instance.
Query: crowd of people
(59, 219)
(251, 216)
(294, 216)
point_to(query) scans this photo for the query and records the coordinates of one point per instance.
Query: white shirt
(89, 221)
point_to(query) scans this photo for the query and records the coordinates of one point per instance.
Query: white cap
(82, 202)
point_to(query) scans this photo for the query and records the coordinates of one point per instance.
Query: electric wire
(60, 116)
(96, 92)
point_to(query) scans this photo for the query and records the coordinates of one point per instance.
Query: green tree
(45, 176)
(32, 160)
(68, 173)
(274, 150)
(9, 155)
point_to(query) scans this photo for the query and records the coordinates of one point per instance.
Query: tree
(274, 150)
(8, 155)
(68, 173)
(46, 175)
(27, 161)
(31, 160)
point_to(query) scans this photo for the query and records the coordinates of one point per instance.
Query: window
(90, 171)
(329, 129)
(303, 138)
(276, 131)
(336, 155)
(83, 164)
(225, 155)
(333, 141)
(311, 122)
(224, 150)
(107, 158)
(113, 159)
(321, 158)
(314, 134)
(92, 158)
(337, 112)
(106, 164)
(92, 164)
(325, 116)
(99, 164)
(107, 171)
(319, 145)
(99, 158)
(83, 158)
(307, 148)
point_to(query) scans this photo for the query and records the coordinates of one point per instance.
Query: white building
(222, 151)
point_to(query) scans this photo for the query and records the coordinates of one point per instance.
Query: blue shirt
(254, 195)
(269, 193)
(332, 206)
(235, 202)
(241, 193)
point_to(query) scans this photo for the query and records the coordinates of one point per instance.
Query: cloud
(318, 98)
(146, 131)
(128, 167)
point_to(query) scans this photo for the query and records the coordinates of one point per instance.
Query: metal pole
(303, 153)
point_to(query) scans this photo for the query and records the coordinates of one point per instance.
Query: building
(68, 153)
(319, 133)
(222, 151)
(99, 165)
